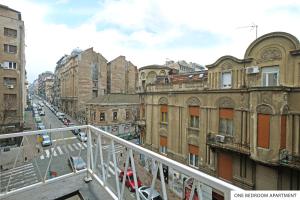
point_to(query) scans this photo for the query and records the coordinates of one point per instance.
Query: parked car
(40, 126)
(37, 119)
(66, 121)
(76, 131)
(46, 141)
(144, 193)
(77, 162)
(42, 113)
(82, 136)
(129, 181)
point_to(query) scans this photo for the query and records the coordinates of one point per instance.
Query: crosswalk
(68, 148)
(18, 177)
(61, 150)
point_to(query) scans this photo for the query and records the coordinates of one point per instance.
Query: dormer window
(270, 76)
(226, 80)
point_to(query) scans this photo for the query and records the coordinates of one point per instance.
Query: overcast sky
(148, 31)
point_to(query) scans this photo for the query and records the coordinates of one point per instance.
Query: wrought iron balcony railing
(289, 159)
(105, 156)
(227, 142)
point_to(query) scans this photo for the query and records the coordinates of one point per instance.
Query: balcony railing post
(134, 174)
(116, 168)
(89, 147)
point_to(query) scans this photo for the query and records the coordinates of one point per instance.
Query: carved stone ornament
(225, 102)
(270, 54)
(163, 100)
(193, 101)
(285, 110)
(226, 66)
(266, 97)
(264, 109)
(193, 141)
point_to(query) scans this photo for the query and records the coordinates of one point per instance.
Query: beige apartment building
(121, 76)
(238, 121)
(83, 76)
(12, 70)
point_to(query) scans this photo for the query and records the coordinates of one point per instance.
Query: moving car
(82, 136)
(144, 193)
(77, 162)
(46, 141)
(129, 181)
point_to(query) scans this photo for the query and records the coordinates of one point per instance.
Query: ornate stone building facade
(238, 121)
(12, 70)
(115, 113)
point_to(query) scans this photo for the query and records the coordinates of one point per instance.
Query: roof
(115, 99)
(8, 8)
(182, 78)
(154, 67)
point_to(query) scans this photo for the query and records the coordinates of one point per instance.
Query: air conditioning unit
(10, 86)
(220, 138)
(252, 70)
(1, 65)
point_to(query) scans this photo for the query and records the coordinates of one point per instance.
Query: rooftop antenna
(252, 26)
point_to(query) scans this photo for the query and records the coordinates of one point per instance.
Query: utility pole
(253, 26)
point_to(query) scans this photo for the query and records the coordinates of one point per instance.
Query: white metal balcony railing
(101, 154)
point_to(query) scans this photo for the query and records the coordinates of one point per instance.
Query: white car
(82, 136)
(144, 193)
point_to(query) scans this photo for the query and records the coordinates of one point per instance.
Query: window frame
(10, 65)
(195, 160)
(268, 70)
(7, 32)
(222, 79)
(7, 49)
(115, 117)
(102, 118)
(163, 150)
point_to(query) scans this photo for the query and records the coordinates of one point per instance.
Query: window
(10, 48)
(163, 144)
(226, 121)
(193, 155)
(10, 81)
(263, 130)
(9, 65)
(115, 115)
(270, 76)
(127, 115)
(194, 116)
(283, 132)
(10, 32)
(226, 80)
(164, 113)
(11, 99)
(102, 116)
(95, 93)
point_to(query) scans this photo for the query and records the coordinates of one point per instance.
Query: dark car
(129, 181)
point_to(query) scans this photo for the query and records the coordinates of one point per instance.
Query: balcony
(33, 171)
(289, 159)
(227, 142)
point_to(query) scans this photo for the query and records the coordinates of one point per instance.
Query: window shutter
(283, 132)
(163, 141)
(194, 110)
(225, 166)
(226, 113)
(263, 131)
(164, 108)
(193, 149)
